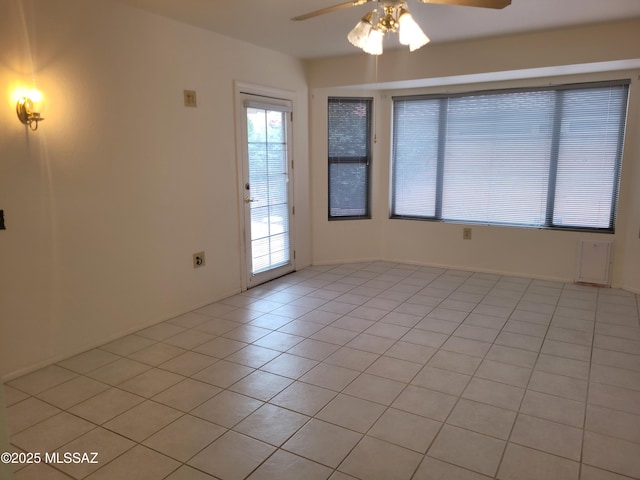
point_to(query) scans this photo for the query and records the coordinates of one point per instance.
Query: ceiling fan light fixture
(358, 36)
(393, 16)
(409, 32)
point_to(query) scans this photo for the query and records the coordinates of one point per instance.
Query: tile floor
(369, 371)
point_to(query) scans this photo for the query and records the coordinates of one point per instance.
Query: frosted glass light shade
(374, 42)
(410, 32)
(358, 36)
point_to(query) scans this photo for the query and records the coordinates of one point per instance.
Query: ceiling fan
(393, 16)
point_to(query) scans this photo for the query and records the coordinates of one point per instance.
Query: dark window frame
(354, 159)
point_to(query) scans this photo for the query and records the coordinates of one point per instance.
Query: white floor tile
(329, 376)
(43, 379)
(375, 459)
(140, 463)
(184, 438)
(271, 424)
(425, 402)
(261, 385)
(548, 436)
(52, 433)
(551, 407)
(27, 413)
(613, 454)
(286, 466)
(351, 412)
(88, 361)
(433, 469)
(377, 389)
(227, 408)
(303, 398)
(522, 463)
(323, 442)
(143, 420)
(74, 391)
(106, 444)
(187, 395)
(482, 418)
(106, 405)
(468, 449)
(441, 380)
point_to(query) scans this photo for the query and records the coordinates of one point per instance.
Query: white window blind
(545, 158)
(349, 157)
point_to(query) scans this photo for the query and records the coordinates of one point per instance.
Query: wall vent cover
(594, 262)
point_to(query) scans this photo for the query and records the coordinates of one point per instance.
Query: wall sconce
(25, 112)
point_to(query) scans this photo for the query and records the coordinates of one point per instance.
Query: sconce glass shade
(358, 36)
(410, 32)
(373, 45)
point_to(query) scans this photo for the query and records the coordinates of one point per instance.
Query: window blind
(349, 127)
(545, 158)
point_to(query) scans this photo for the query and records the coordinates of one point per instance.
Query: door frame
(262, 94)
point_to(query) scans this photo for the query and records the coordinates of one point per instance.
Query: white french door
(266, 187)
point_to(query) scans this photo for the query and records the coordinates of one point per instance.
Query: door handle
(249, 200)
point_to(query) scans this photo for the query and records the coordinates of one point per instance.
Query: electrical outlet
(466, 233)
(198, 260)
(190, 98)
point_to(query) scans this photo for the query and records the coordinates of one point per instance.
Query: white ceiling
(268, 23)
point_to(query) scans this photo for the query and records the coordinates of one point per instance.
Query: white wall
(107, 201)
(588, 53)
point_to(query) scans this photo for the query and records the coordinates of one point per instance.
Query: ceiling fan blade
(334, 8)
(498, 4)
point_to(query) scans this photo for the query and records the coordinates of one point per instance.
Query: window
(545, 158)
(349, 157)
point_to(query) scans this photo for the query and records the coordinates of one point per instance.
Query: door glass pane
(268, 192)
